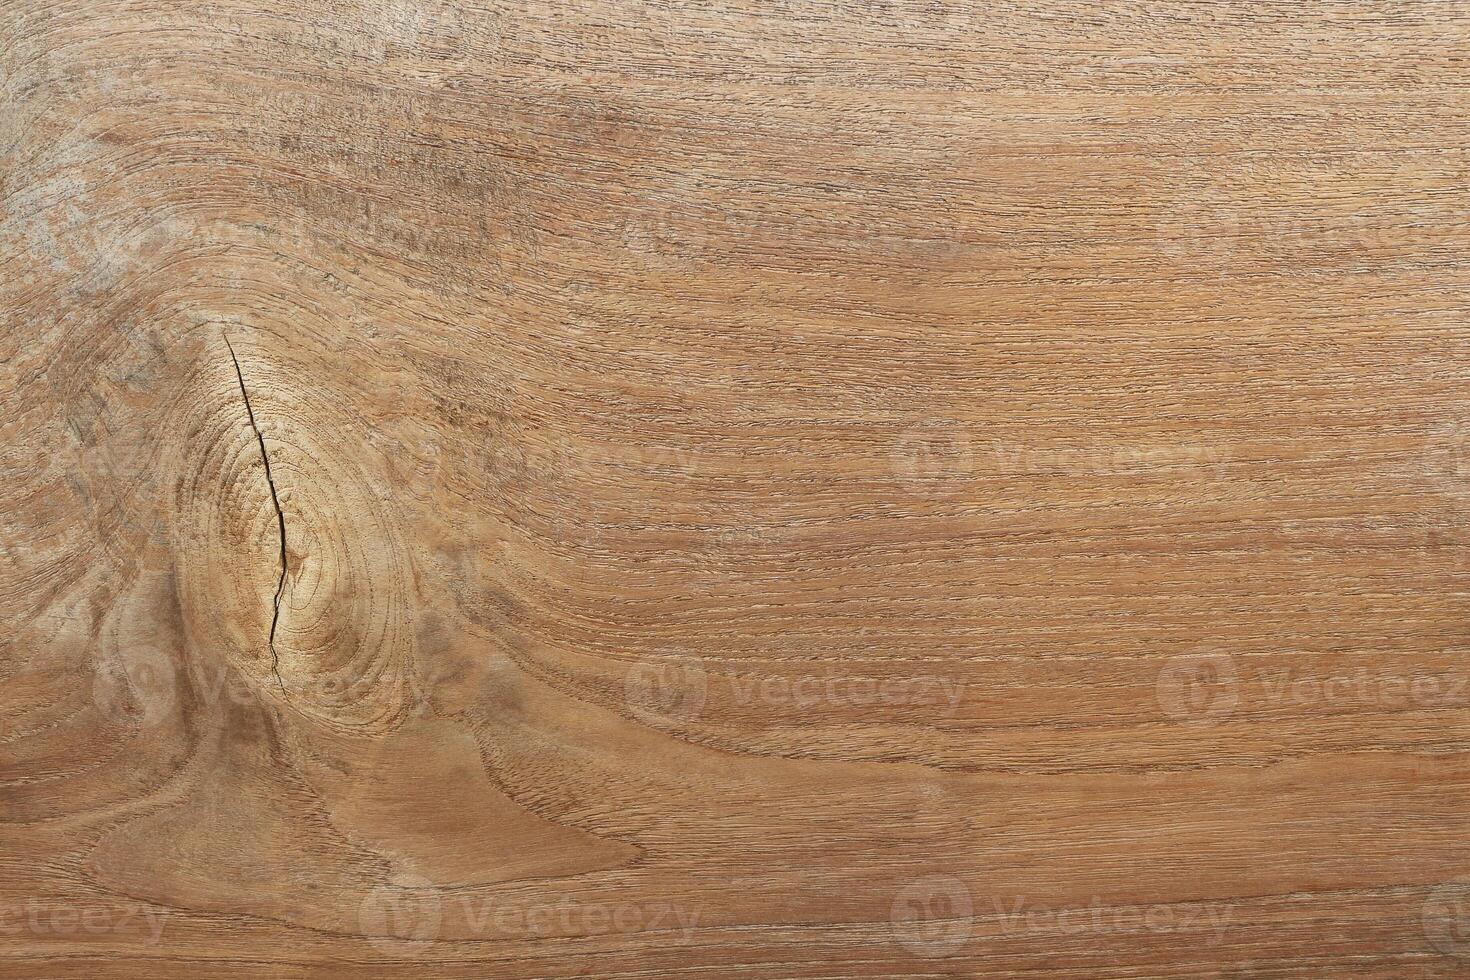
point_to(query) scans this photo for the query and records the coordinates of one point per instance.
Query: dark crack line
(280, 516)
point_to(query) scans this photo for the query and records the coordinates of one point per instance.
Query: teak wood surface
(734, 488)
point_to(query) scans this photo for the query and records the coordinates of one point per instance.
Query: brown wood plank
(734, 488)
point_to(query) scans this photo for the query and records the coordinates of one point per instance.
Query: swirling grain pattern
(734, 488)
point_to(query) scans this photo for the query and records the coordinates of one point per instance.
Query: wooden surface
(799, 489)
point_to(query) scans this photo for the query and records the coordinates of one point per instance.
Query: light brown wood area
(734, 488)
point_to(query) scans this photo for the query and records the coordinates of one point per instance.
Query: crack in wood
(280, 515)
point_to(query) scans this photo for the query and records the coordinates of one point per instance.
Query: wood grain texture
(734, 488)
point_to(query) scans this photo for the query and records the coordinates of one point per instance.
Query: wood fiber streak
(734, 488)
